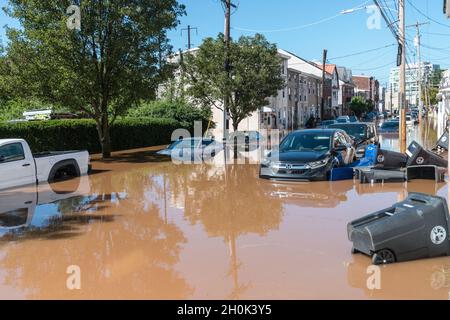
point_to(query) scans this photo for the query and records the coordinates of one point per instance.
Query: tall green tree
(359, 105)
(3, 83)
(254, 74)
(431, 88)
(115, 59)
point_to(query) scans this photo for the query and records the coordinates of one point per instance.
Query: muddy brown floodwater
(143, 228)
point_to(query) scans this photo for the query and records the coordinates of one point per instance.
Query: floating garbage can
(390, 159)
(416, 228)
(418, 156)
(371, 154)
(443, 142)
(381, 176)
(339, 174)
(426, 173)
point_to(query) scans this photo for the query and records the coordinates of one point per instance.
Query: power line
(371, 60)
(437, 34)
(362, 52)
(427, 16)
(375, 68)
(289, 29)
(389, 23)
(297, 27)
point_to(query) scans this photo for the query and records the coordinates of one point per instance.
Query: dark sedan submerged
(309, 155)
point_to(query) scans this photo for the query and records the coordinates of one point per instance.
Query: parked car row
(342, 119)
(302, 155)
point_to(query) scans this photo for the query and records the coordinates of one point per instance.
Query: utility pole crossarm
(189, 29)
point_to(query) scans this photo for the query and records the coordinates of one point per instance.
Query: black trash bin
(443, 142)
(390, 159)
(426, 173)
(418, 156)
(373, 175)
(416, 228)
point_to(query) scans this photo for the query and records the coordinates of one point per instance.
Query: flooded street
(143, 228)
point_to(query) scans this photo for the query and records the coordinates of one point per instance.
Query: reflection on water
(53, 220)
(427, 135)
(426, 279)
(157, 231)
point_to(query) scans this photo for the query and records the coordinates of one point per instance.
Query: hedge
(64, 135)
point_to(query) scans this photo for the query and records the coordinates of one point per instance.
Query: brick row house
(368, 88)
(347, 89)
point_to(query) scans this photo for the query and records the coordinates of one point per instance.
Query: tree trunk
(104, 135)
(235, 149)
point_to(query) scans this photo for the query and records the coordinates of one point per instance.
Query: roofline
(306, 73)
(307, 61)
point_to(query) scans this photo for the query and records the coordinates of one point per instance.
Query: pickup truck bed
(53, 153)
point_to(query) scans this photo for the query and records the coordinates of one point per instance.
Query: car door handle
(26, 165)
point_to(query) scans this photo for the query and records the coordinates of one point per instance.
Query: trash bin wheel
(354, 251)
(384, 256)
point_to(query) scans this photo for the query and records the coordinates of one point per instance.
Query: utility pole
(419, 66)
(402, 91)
(189, 29)
(227, 39)
(227, 64)
(322, 104)
(390, 100)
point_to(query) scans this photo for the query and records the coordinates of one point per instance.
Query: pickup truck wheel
(65, 173)
(64, 170)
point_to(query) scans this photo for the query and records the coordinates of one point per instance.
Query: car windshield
(390, 125)
(189, 143)
(342, 120)
(306, 142)
(357, 131)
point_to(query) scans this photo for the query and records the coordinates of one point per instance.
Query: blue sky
(283, 22)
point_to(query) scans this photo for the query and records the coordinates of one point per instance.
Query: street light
(348, 11)
(447, 8)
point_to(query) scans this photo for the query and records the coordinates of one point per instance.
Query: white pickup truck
(19, 167)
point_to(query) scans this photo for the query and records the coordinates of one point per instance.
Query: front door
(15, 170)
